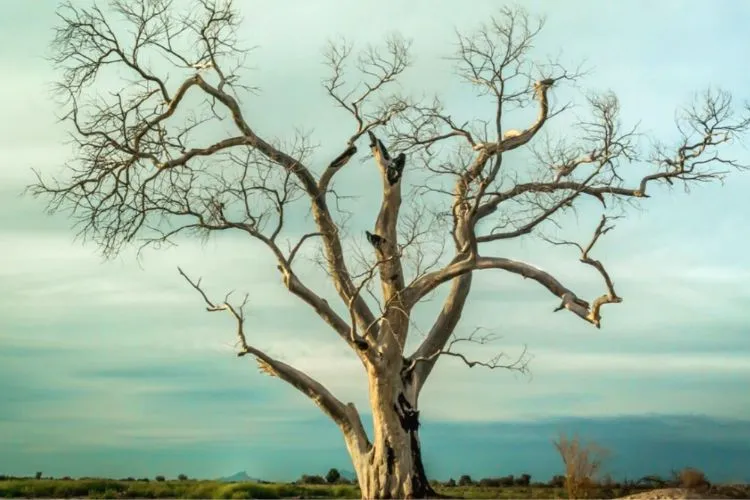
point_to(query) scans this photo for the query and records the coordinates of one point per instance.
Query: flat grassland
(111, 488)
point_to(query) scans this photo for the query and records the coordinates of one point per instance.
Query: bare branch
(345, 416)
(137, 172)
(442, 329)
(610, 297)
(520, 364)
(377, 69)
(569, 299)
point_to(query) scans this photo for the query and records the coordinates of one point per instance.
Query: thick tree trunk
(392, 467)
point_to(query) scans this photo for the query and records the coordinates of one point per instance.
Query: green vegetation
(110, 488)
(499, 487)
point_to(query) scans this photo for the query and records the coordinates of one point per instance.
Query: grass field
(110, 488)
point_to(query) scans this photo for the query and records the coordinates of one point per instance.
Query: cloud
(111, 355)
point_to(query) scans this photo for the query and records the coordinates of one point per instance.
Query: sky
(114, 368)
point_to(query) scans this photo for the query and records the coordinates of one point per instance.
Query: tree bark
(392, 467)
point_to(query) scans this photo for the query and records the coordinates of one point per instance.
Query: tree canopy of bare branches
(165, 146)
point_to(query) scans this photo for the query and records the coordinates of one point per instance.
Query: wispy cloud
(98, 355)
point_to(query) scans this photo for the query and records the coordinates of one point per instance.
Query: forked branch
(378, 69)
(343, 415)
(520, 364)
(610, 297)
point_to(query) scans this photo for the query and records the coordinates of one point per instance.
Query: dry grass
(692, 478)
(583, 463)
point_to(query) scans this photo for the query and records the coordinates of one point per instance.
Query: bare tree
(149, 166)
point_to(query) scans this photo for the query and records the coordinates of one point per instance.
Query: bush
(465, 480)
(652, 481)
(583, 462)
(182, 477)
(450, 483)
(523, 480)
(306, 479)
(490, 482)
(556, 481)
(691, 477)
(161, 479)
(333, 476)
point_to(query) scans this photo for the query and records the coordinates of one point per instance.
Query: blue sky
(114, 368)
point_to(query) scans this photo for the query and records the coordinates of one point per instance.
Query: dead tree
(145, 171)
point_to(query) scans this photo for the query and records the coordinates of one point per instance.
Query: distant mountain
(238, 478)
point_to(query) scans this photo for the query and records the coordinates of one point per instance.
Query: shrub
(333, 476)
(523, 480)
(556, 481)
(450, 483)
(628, 486)
(182, 477)
(200, 490)
(490, 482)
(306, 479)
(465, 480)
(652, 481)
(161, 479)
(583, 462)
(691, 477)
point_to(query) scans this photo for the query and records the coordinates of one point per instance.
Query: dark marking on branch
(407, 415)
(383, 151)
(419, 484)
(376, 143)
(409, 419)
(395, 169)
(361, 344)
(375, 240)
(343, 158)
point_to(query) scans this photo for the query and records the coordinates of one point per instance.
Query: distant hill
(239, 477)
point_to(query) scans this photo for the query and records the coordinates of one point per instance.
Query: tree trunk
(392, 467)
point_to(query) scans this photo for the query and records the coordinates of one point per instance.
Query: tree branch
(569, 299)
(345, 416)
(610, 297)
(520, 364)
(441, 330)
(387, 248)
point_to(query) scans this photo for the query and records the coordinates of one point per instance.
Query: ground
(110, 488)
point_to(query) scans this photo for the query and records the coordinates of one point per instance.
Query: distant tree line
(689, 477)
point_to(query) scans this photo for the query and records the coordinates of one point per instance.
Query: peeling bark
(393, 466)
